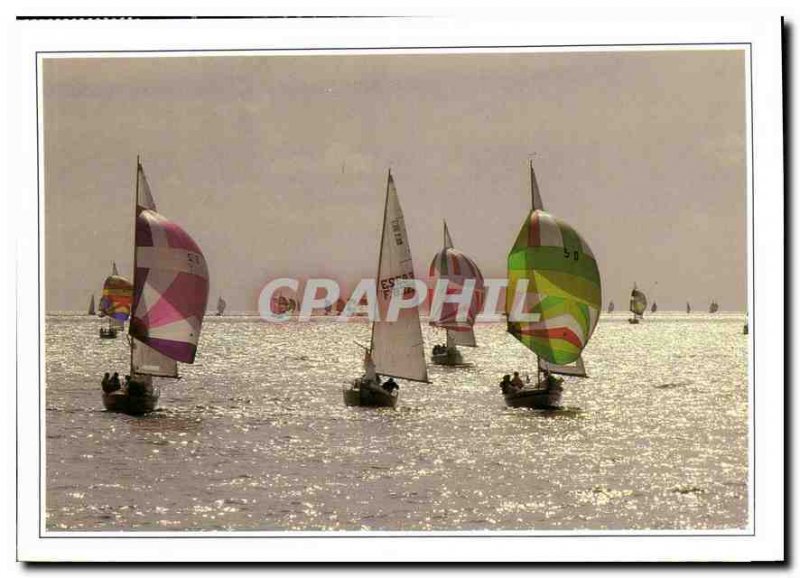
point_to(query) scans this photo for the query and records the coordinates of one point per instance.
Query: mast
(380, 251)
(135, 206)
(536, 205)
(536, 197)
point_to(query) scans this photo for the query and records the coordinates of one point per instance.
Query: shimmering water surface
(255, 436)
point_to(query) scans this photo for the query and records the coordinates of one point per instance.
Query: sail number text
(387, 286)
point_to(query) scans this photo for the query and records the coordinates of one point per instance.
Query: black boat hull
(369, 396)
(142, 400)
(535, 398)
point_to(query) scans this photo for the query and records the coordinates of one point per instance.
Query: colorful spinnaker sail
(457, 270)
(638, 302)
(117, 297)
(170, 290)
(554, 271)
(397, 347)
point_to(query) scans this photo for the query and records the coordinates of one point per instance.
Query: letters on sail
(397, 347)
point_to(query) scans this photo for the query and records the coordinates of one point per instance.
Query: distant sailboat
(611, 307)
(115, 303)
(281, 305)
(396, 348)
(714, 307)
(563, 288)
(221, 304)
(653, 307)
(456, 269)
(638, 305)
(746, 328)
(688, 308)
(170, 295)
(91, 306)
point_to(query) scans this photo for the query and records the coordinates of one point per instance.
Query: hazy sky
(276, 165)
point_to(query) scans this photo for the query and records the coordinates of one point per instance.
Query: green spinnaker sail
(563, 288)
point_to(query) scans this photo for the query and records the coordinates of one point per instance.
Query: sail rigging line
(380, 252)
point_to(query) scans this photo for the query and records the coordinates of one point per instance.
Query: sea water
(255, 435)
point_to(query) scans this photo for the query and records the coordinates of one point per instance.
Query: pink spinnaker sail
(170, 289)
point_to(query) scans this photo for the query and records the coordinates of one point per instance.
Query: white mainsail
(397, 347)
(463, 338)
(147, 361)
(576, 368)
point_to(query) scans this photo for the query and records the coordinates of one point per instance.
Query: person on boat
(516, 381)
(114, 383)
(390, 385)
(550, 381)
(106, 383)
(505, 385)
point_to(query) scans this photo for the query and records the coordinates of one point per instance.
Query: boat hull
(534, 399)
(123, 401)
(368, 395)
(450, 357)
(634, 321)
(107, 333)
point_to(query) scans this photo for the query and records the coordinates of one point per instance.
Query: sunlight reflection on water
(256, 436)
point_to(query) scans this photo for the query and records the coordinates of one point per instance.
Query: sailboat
(688, 308)
(456, 269)
(611, 307)
(563, 290)
(170, 294)
(653, 307)
(91, 306)
(396, 348)
(714, 307)
(746, 328)
(281, 304)
(638, 305)
(115, 303)
(221, 304)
